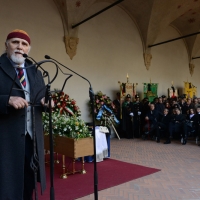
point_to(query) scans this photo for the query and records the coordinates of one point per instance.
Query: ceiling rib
(103, 10)
(192, 34)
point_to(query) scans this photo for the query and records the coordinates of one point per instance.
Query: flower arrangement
(100, 100)
(104, 109)
(63, 125)
(66, 119)
(64, 104)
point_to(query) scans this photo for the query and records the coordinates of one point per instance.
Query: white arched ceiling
(151, 17)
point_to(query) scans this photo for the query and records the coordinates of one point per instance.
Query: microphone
(45, 73)
(37, 63)
(47, 57)
(25, 55)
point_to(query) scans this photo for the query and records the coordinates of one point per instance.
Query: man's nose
(19, 46)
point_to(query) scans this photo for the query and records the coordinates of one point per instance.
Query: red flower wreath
(65, 105)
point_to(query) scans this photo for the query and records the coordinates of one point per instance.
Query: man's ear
(6, 45)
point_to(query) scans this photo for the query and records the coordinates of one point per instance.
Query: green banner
(150, 90)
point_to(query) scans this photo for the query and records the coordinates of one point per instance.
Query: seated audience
(155, 100)
(174, 104)
(163, 124)
(164, 98)
(189, 126)
(160, 106)
(196, 103)
(175, 125)
(151, 119)
(168, 106)
(187, 106)
(198, 125)
(181, 102)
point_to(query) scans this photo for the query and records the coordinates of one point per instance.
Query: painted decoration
(190, 90)
(150, 90)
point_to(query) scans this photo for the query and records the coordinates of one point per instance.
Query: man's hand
(46, 104)
(17, 102)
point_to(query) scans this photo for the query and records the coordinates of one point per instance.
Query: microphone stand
(48, 99)
(91, 95)
(52, 194)
(51, 145)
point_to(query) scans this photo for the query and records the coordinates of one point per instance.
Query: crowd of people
(164, 118)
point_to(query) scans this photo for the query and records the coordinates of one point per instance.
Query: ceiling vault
(151, 17)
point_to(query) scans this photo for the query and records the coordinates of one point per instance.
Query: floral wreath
(102, 99)
(64, 104)
(104, 109)
(66, 119)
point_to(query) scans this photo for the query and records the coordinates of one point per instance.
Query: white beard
(17, 59)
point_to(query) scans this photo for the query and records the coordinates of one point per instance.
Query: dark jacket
(178, 118)
(186, 107)
(12, 130)
(165, 119)
(160, 107)
(192, 122)
(153, 116)
(198, 119)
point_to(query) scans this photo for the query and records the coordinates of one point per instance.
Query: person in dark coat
(144, 110)
(187, 106)
(189, 125)
(117, 112)
(116, 103)
(137, 109)
(181, 102)
(174, 104)
(16, 134)
(151, 120)
(175, 125)
(127, 117)
(160, 106)
(196, 103)
(198, 125)
(163, 124)
(164, 99)
(168, 106)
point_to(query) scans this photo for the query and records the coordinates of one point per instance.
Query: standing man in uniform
(16, 134)
(127, 117)
(117, 112)
(137, 108)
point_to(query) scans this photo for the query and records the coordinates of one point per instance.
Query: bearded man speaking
(17, 179)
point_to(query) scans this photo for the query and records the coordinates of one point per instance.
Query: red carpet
(110, 173)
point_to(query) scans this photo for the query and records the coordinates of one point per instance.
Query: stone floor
(179, 178)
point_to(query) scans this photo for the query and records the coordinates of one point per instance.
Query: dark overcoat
(12, 130)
